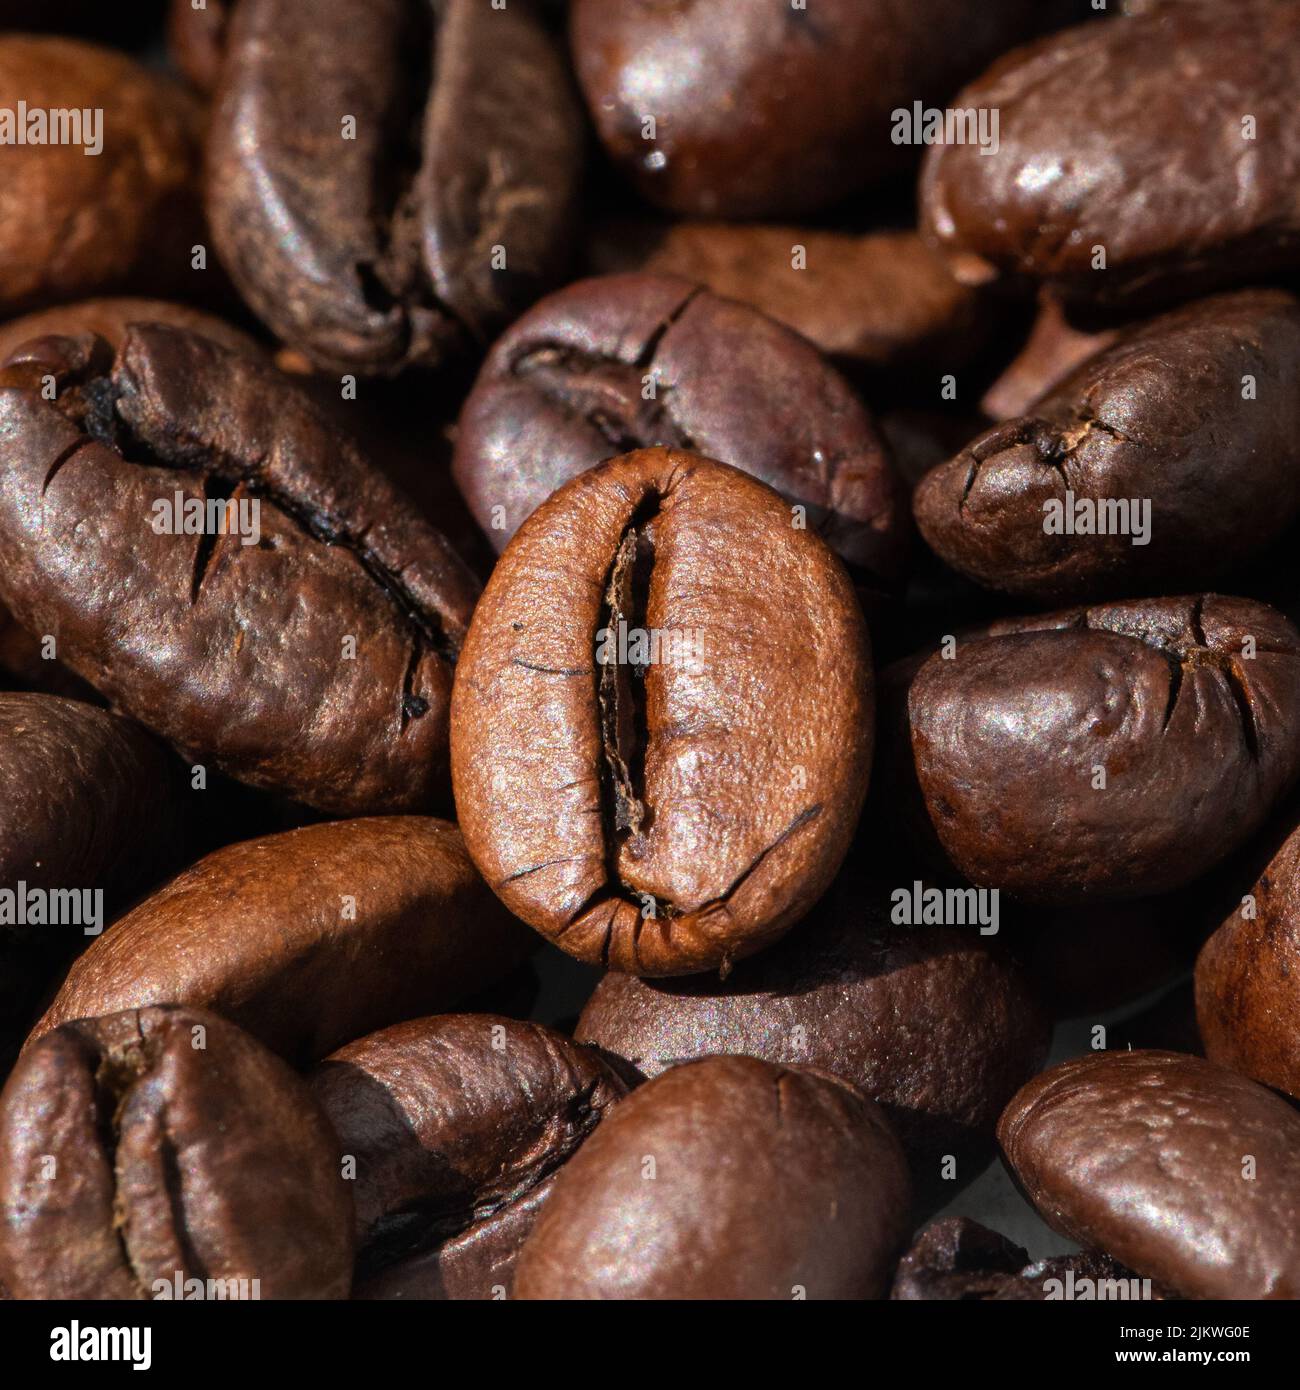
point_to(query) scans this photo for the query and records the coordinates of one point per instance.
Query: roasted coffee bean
(1248, 979)
(196, 39)
(391, 182)
(89, 810)
(1165, 143)
(87, 799)
(20, 652)
(309, 654)
(662, 717)
(24, 665)
(1115, 751)
(791, 110)
(108, 203)
(893, 1009)
(110, 318)
(454, 1122)
(880, 299)
(307, 939)
(631, 361)
(816, 1209)
(477, 1264)
(1171, 457)
(1185, 1172)
(956, 1259)
(921, 439)
(182, 1150)
(1056, 345)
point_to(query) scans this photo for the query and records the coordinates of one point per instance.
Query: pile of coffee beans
(648, 650)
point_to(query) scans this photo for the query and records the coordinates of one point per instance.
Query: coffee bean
(124, 219)
(478, 1264)
(110, 318)
(891, 1009)
(455, 1123)
(21, 654)
(655, 1204)
(1166, 460)
(879, 300)
(790, 112)
(1115, 751)
(307, 939)
(315, 661)
(1056, 345)
(632, 361)
(1165, 143)
(1181, 1170)
(196, 39)
(674, 801)
(87, 798)
(89, 814)
(390, 183)
(956, 1259)
(150, 1147)
(1248, 978)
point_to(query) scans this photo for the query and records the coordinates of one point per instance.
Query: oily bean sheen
(765, 109)
(1248, 979)
(307, 939)
(769, 1182)
(935, 1025)
(672, 802)
(1193, 417)
(315, 662)
(566, 387)
(181, 1149)
(455, 1122)
(1145, 1155)
(87, 798)
(123, 219)
(431, 220)
(1114, 751)
(1131, 136)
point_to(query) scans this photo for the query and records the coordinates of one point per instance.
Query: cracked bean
(726, 1178)
(389, 183)
(1174, 456)
(623, 362)
(315, 660)
(458, 1124)
(662, 717)
(1115, 751)
(165, 1144)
